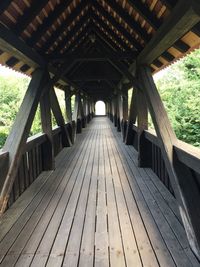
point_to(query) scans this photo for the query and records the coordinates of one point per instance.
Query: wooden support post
(83, 113)
(119, 112)
(144, 153)
(115, 111)
(86, 111)
(68, 106)
(112, 111)
(59, 118)
(16, 141)
(68, 110)
(89, 111)
(75, 116)
(47, 147)
(125, 114)
(131, 119)
(109, 110)
(184, 185)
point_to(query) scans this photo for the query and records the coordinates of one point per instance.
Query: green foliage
(12, 90)
(180, 91)
(179, 88)
(3, 135)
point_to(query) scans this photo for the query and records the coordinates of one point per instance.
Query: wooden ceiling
(59, 29)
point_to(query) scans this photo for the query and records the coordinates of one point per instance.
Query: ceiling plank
(29, 15)
(144, 11)
(106, 39)
(84, 31)
(117, 26)
(130, 21)
(58, 32)
(169, 3)
(84, 20)
(4, 5)
(48, 21)
(111, 33)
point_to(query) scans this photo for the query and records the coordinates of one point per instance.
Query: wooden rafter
(95, 56)
(4, 5)
(110, 33)
(68, 21)
(144, 11)
(117, 26)
(83, 22)
(29, 15)
(131, 22)
(48, 21)
(12, 44)
(180, 21)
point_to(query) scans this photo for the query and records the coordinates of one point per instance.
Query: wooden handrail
(56, 130)
(35, 140)
(189, 155)
(152, 137)
(40, 138)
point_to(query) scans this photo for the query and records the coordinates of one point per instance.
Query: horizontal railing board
(35, 140)
(190, 157)
(187, 154)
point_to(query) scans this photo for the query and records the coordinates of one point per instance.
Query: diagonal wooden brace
(16, 141)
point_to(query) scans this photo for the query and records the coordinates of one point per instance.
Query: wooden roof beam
(10, 43)
(84, 31)
(29, 15)
(95, 56)
(84, 20)
(111, 33)
(68, 21)
(130, 21)
(48, 21)
(144, 11)
(111, 76)
(119, 66)
(182, 18)
(85, 49)
(4, 5)
(106, 39)
(196, 29)
(117, 26)
(169, 3)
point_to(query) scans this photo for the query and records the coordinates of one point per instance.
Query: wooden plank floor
(96, 209)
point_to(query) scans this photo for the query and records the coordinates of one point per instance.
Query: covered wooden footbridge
(116, 194)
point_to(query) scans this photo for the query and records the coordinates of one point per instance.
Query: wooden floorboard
(96, 209)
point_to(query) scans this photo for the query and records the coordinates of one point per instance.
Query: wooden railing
(31, 165)
(187, 155)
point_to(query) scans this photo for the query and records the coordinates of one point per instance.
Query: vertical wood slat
(46, 121)
(131, 119)
(29, 169)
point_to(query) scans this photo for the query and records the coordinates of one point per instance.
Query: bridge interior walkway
(96, 209)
